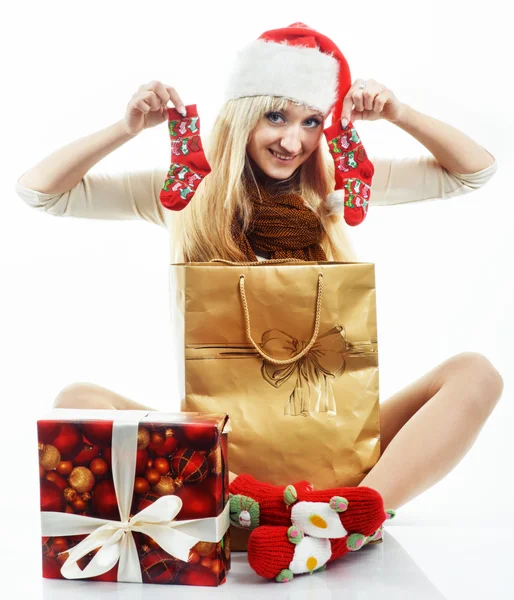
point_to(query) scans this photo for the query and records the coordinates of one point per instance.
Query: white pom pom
(335, 202)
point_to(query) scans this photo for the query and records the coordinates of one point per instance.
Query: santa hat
(301, 64)
(294, 62)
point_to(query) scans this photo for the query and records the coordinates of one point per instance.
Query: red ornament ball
(104, 503)
(65, 467)
(196, 575)
(158, 566)
(98, 432)
(99, 467)
(145, 501)
(59, 481)
(69, 441)
(169, 445)
(141, 461)
(190, 465)
(198, 436)
(47, 431)
(52, 498)
(197, 503)
(162, 465)
(51, 568)
(141, 486)
(86, 455)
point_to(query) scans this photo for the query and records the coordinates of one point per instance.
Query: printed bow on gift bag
(314, 372)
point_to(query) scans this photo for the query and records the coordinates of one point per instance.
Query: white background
(87, 300)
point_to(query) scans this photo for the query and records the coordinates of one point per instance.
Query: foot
(254, 503)
(355, 509)
(280, 552)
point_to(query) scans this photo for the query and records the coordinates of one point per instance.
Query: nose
(291, 141)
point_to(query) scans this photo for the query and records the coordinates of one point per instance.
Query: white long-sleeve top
(135, 194)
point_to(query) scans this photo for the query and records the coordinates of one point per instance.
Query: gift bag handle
(314, 337)
(258, 262)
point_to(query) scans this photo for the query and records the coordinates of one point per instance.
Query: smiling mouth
(282, 157)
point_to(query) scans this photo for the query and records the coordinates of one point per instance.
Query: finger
(176, 100)
(347, 108)
(380, 100)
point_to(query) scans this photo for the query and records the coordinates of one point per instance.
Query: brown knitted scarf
(283, 226)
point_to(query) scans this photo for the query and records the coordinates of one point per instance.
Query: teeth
(282, 157)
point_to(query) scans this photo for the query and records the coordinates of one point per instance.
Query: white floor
(421, 563)
(453, 542)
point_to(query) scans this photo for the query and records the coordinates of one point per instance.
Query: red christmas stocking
(188, 163)
(353, 173)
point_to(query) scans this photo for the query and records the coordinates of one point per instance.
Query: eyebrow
(314, 114)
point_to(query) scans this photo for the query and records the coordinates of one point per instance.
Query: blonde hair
(202, 231)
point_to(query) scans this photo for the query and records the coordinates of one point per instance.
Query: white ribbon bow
(114, 538)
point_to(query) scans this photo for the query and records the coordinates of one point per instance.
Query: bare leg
(89, 395)
(428, 427)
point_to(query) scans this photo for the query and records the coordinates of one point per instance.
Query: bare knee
(480, 381)
(75, 395)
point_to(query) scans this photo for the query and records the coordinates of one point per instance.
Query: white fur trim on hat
(334, 203)
(306, 75)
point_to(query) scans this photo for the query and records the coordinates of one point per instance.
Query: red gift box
(134, 496)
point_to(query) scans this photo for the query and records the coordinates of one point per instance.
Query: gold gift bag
(289, 351)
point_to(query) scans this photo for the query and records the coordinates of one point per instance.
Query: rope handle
(258, 262)
(314, 337)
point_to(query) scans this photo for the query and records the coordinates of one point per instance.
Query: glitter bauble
(81, 479)
(49, 456)
(70, 495)
(204, 548)
(165, 487)
(143, 437)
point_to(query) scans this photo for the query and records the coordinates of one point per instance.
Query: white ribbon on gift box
(114, 538)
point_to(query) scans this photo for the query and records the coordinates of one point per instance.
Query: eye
(315, 121)
(272, 116)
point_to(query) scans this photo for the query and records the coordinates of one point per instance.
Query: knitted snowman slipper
(280, 552)
(253, 503)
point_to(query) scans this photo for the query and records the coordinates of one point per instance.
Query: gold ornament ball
(204, 548)
(70, 495)
(215, 461)
(49, 456)
(143, 438)
(165, 487)
(81, 479)
(86, 496)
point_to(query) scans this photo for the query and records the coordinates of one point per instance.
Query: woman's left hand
(373, 102)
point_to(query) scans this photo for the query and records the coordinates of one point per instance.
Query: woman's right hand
(148, 106)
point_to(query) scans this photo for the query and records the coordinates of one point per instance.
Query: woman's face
(292, 134)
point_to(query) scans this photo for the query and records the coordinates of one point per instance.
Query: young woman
(267, 163)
